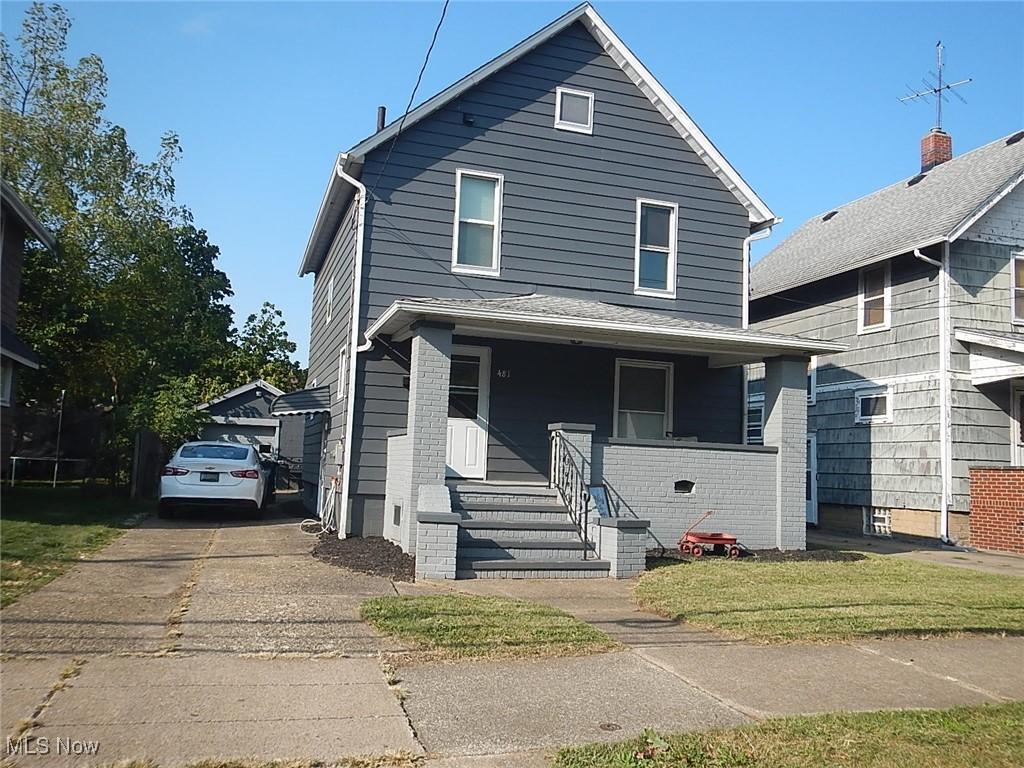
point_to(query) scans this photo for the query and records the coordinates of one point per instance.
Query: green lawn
(460, 626)
(989, 736)
(874, 597)
(44, 531)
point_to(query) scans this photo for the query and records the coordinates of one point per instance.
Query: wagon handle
(702, 518)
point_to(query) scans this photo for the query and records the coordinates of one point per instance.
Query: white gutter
(354, 346)
(759, 235)
(945, 420)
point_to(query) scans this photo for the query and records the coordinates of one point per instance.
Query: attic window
(829, 216)
(1015, 138)
(574, 110)
(917, 179)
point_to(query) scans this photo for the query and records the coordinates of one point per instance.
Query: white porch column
(785, 426)
(427, 429)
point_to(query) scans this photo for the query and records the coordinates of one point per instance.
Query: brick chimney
(936, 148)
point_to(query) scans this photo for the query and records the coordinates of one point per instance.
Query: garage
(263, 437)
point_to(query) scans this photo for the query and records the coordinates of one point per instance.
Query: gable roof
(24, 215)
(934, 207)
(256, 384)
(330, 213)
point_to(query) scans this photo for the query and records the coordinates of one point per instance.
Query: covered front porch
(647, 409)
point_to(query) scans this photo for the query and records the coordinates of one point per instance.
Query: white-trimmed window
(477, 243)
(874, 301)
(812, 380)
(330, 299)
(6, 381)
(873, 406)
(655, 256)
(574, 110)
(342, 371)
(755, 424)
(643, 399)
(1017, 281)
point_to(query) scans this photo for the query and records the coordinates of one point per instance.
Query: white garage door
(263, 438)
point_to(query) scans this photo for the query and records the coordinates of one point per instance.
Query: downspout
(945, 429)
(354, 346)
(758, 235)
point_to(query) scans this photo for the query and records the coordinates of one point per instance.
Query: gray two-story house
(530, 293)
(923, 282)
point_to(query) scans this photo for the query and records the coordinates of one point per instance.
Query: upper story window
(874, 303)
(1018, 287)
(330, 299)
(655, 258)
(342, 372)
(477, 242)
(574, 110)
(643, 399)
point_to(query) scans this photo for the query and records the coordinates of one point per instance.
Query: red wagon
(696, 544)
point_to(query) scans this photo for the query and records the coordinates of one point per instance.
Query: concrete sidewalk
(677, 678)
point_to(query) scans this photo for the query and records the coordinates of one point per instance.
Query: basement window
(574, 110)
(874, 302)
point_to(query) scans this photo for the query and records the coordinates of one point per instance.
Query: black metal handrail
(568, 479)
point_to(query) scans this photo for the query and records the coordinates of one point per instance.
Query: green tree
(264, 351)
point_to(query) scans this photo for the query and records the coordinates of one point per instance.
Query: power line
(412, 97)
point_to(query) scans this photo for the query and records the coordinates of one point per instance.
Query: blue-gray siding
(568, 219)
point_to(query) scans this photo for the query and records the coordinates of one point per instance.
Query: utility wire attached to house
(412, 98)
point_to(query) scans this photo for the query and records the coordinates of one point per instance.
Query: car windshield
(228, 452)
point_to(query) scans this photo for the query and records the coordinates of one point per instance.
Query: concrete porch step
(525, 549)
(464, 493)
(493, 511)
(516, 525)
(532, 569)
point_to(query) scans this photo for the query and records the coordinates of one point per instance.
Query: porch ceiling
(560, 319)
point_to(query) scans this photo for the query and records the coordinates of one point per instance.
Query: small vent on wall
(684, 486)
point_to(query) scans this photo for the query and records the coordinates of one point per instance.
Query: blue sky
(801, 97)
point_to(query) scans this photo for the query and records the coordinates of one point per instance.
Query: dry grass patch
(461, 626)
(395, 760)
(990, 736)
(879, 596)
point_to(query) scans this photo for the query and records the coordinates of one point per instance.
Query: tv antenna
(935, 87)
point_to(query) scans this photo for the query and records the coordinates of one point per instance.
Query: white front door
(468, 396)
(811, 484)
(1017, 424)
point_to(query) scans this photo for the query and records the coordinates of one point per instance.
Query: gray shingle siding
(568, 217)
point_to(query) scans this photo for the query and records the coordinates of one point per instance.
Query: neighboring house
(243, 416)
(545, 268)
(19, 225)
(923, 281)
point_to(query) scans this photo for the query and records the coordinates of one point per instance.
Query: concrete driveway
(198, 638)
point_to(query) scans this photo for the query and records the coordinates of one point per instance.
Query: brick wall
(997, 508)
(737, 482)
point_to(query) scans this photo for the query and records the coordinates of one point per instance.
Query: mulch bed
(657, 557)
(372, 555)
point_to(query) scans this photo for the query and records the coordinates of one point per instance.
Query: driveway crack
(172, 629)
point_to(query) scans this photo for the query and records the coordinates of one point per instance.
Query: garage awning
(994, 356)
(302, 401)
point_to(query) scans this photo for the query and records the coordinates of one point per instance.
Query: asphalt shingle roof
(890, 221)
(537, 304)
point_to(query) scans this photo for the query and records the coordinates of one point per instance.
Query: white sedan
(214, 474)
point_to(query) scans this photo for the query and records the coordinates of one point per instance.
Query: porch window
(574, 110)
(643, 399)
(655, 257)
(812, 380)
(755, 425)
(874, 301)
(477, 241)
(1018, 287)
(873, 406)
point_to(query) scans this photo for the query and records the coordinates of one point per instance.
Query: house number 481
(504, 373)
